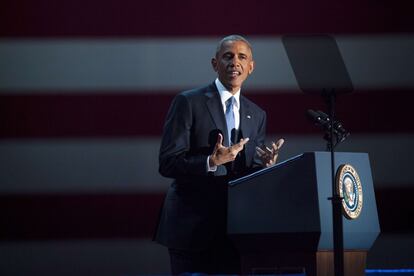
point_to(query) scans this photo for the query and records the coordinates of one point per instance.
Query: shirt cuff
(212, 168)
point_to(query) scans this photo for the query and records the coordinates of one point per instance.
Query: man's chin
(233, 84)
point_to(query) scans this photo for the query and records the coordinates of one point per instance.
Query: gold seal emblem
(349, 187)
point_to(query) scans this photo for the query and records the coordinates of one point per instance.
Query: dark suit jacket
(194, 211)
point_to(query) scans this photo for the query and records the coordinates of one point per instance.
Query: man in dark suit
(211, 135)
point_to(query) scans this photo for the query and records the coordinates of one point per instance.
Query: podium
(280, 218)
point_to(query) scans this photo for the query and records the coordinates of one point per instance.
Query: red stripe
(46, 217)
(47, 18)
(129, 115)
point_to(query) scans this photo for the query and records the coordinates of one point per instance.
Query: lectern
(280, 218)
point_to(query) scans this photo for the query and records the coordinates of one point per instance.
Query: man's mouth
(234, 73)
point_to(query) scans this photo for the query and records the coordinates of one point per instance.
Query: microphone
(337, 125)
(322, 119)
(323, 115)
(234, 136)
(319, 118)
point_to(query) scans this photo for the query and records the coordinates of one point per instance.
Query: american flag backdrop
(85, 87)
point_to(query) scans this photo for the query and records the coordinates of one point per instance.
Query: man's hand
(222, 155)
(269, 156)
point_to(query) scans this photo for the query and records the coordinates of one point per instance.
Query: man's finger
(243, 141)
(279, 143)
(239, 146)
(275, 157)
(275, 148)
(260, 151)
(269, 151)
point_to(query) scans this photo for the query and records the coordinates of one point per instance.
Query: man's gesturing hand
(269, 156)
(222, 155)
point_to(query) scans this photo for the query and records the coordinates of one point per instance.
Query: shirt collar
(225, 94)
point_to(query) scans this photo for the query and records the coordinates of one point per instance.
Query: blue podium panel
(359, 233)
(287, 206)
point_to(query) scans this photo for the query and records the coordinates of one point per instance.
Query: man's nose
(235, 62)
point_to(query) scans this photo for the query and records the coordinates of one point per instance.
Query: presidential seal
(349, 188)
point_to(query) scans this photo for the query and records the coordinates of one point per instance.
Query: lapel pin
(249, 117)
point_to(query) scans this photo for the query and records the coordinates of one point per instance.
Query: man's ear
(251, 67)
(214, 64)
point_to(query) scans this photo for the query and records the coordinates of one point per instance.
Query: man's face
(233, 64)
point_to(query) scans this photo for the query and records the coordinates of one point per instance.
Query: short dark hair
(233, 38)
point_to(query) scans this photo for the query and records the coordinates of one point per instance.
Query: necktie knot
(230, 103)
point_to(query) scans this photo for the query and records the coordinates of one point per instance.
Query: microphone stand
(319, 67)
(336, 199)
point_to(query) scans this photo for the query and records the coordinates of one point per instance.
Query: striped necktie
(230, 117)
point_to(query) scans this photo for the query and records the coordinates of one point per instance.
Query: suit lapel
(246, 118)
(247, 125)
(215, 109)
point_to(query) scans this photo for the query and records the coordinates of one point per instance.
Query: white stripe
(391, 155)
(42, 166)
(173, 64)
(130, 165)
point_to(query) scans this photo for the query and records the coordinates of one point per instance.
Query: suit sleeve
(175, 159)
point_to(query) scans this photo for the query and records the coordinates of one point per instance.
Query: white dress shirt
(224, 96)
